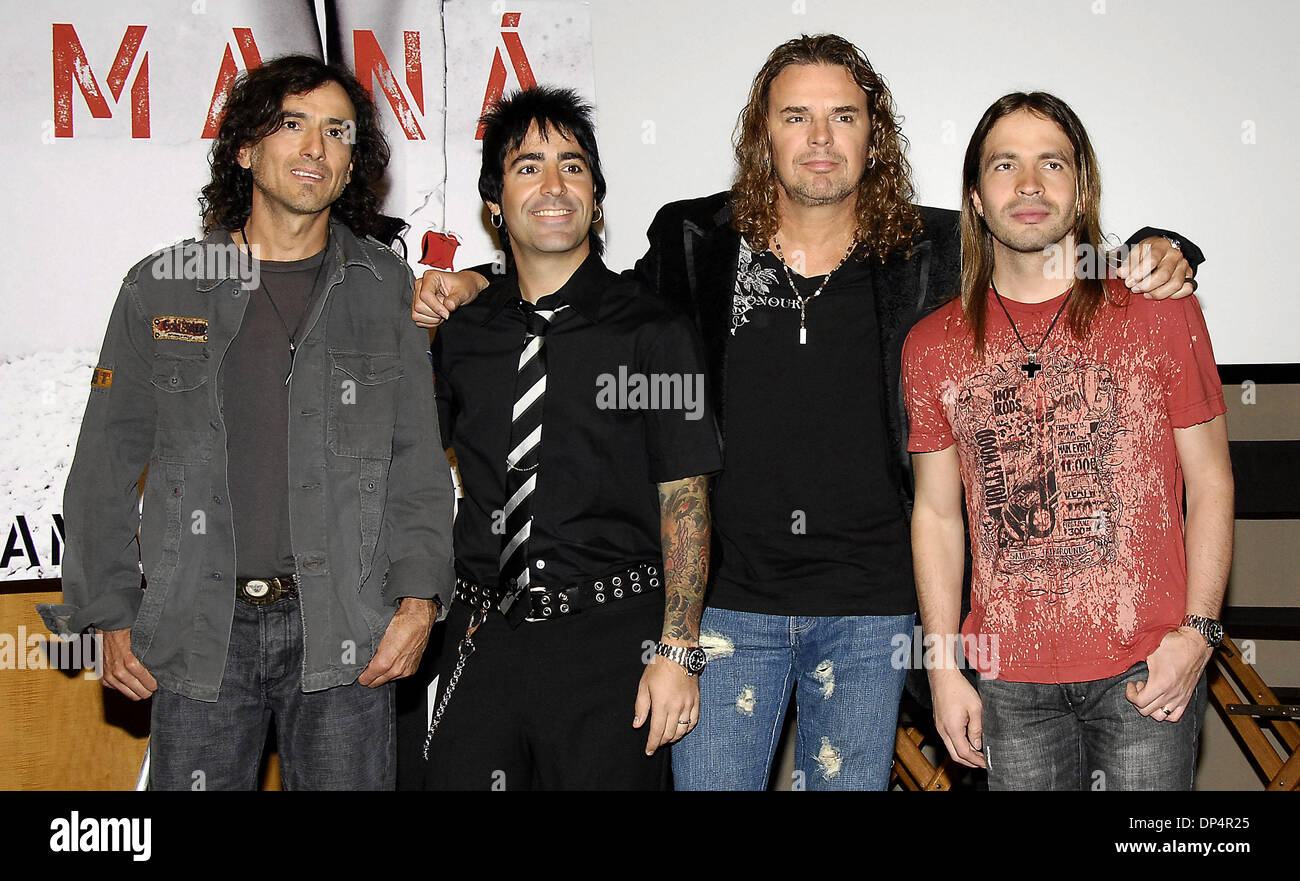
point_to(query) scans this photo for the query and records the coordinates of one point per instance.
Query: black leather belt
(264, 591)
(547, 603)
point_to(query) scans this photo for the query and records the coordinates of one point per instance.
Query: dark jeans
(339, 738)
(548, 705)
(1086, 735)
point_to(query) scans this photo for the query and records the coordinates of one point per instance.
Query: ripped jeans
(846, 692)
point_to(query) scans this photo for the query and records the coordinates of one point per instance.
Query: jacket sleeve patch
(101, 378)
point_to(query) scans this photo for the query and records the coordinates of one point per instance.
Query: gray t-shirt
(256, 411)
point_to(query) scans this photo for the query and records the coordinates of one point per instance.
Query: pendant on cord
(1031, 366)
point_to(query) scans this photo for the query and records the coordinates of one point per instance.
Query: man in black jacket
(804, 280)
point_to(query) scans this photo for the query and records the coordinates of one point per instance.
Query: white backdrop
(1191, 105)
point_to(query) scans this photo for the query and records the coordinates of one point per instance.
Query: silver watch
(1210, 628)
(691, 659)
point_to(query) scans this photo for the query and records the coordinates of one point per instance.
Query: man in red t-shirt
(1074, 415)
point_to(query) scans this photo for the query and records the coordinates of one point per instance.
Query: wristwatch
(691, 659)
(1210, 628)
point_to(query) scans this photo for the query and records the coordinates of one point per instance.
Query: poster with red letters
(111, 109)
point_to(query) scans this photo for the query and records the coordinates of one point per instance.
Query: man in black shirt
(568, 395)
(804, 280)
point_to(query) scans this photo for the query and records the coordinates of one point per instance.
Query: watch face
(695, 660)
(1214, 633)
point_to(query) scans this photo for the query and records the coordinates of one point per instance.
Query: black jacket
(692, 263)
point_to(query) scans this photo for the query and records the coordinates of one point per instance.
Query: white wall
(1164, 87)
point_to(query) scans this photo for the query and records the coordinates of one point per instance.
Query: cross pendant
(1031, 366)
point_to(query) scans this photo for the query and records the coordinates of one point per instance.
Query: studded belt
(264, 591)
(546, 603)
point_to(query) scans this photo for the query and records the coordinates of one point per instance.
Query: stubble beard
(297, 200)
(1034, 241)
(802, 195)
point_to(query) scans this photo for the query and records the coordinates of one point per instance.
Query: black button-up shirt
(625, 409)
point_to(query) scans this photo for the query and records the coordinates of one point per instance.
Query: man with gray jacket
(295, 532)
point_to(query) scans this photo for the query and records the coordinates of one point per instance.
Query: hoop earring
(871, 161)
(496, 220)
(600, 215)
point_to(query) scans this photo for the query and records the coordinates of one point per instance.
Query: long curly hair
(887, 219)
(253, 112)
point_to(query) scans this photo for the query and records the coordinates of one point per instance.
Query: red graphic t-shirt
(1073, 487)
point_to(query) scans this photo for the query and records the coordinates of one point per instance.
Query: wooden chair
(1266, 472)
(912, 770)
(1250, 708)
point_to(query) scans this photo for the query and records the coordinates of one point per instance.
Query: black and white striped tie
(523, 459)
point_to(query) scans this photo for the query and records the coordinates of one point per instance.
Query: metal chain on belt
(465, 649)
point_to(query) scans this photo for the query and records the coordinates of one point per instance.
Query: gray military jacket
(370, 496)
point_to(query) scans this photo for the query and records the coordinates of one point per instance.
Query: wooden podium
(66, 731)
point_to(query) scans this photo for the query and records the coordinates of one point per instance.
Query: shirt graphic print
(1073, 485)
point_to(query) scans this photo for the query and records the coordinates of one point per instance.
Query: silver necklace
(804, 301)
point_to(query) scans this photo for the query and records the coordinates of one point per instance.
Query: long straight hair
(1089, 292)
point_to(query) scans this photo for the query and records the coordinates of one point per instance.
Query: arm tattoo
(684, 519)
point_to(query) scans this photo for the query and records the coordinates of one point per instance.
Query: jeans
(1085, 735)
(339, 738)
(847, 694)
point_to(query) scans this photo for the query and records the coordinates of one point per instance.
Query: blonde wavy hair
(886, 218)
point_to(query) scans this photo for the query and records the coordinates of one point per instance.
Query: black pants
(548, 705)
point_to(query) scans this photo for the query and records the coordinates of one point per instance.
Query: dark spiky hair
(551, 109)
